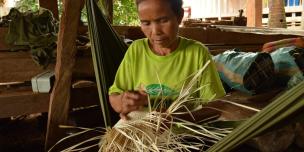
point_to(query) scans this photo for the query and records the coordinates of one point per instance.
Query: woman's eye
(164, 20)
(145, 23)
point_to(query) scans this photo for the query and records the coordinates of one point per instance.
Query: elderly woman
(159, 65)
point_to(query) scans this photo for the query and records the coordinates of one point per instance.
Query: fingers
(123, 116)
(135, 98)
(144, 95)
(127, 110)
(132, 101)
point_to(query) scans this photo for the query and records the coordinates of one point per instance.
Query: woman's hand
(128, 101)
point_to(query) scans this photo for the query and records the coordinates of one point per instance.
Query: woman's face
(159, 23)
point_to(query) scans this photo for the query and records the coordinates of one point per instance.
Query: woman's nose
(156, 29)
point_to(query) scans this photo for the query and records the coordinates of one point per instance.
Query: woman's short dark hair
(176, 5)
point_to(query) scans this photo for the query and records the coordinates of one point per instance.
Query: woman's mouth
(160, 40)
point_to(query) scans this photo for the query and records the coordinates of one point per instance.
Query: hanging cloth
(35, 31)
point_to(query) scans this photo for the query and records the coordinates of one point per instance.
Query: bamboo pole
(66, 51)
(277, 17)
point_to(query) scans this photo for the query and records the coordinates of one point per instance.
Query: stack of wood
(236, 21)
(240, 20)
(207, 23)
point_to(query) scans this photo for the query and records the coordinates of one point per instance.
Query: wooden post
(66, 51)
(51, 5)
(219, 10)
(276, 17)
(254, 13)
(302, 21)
(2, 3)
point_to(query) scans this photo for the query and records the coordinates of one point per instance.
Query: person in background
(159, 64)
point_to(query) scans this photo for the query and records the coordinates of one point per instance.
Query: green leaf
(107, 52)
(27, 5)
(286, 105)
(125, 13)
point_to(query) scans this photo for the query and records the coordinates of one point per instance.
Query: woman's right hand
(128, 101)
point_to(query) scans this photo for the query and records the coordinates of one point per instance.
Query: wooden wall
(19, 66)
(215, 39)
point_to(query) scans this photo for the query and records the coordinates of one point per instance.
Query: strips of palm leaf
(290, 102)
(155, 131)
(161, 131)
(102, 42)
(107, 53)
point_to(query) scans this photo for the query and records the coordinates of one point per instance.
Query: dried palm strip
(134, 136)
(107, 52)
(152, 131)
(285, 105)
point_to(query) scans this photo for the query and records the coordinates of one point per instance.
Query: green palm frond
(107, 52)
(287, 104)
(154, 131)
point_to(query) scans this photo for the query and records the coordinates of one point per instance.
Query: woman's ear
(180, 17)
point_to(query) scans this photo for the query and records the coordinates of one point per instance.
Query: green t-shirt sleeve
(210, 80)
(123, 78)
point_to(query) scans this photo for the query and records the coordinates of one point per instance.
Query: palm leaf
(287, 104)
(107, 52)
(156, 130)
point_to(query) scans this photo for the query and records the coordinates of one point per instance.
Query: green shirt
(166, 75)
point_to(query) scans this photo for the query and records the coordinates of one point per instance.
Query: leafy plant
(26, 5)
(125, 13)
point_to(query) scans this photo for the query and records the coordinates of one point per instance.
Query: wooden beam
(302, 21)
(28, 102)
(22, 101)
(17, 67)
(254, 13)
(66, 51)
(212, 35)
(51, 5)
(12, 71)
